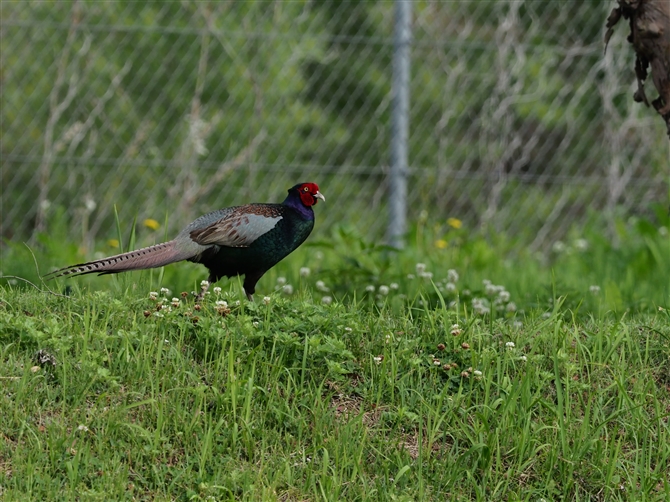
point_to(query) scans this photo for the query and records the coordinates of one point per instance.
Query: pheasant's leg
(249, 284)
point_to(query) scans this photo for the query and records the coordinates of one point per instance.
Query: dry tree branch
(649, 22)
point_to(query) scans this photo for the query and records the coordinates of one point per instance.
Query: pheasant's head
(308, 192)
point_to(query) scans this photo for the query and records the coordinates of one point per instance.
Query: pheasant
(241, 240)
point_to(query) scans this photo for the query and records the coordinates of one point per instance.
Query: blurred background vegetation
(521, 127)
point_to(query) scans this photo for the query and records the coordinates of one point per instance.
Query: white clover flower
(504, 295)
(165, 291)
(546, 315)
(348, 329)
(558, 247)
(217, 290)
(480, 306)
(305, 271)
(511, 307)
(510, 345)
(281, 281)
(452, 275)
(82, 428)
(204, 284)
(153, 295)
(383, 290)
(490, 289)
(370, 288)
(321, 286)
(427, 275)
(175, 302)
(456, 330)
(450, 287)
(486, 282)
(477, 373)
(594, 290)
(387, 338)
(221, 303)
(378, 359)
(663, 231)
(394, 285)
(420, 268)
(255, 324)
(410, 276)
(517, 324)
(437, 362)
(581, 244)
(158, 314)
(266, 300)
(237, 303)
(89, 204)
(523, 358)
(287, 289)
(327, 300)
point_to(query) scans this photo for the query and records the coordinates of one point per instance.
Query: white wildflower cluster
(165, 291)
(578, 245)
(305, 271)
(284, 286)
(266, 300)
(327, 300)
(175, 302)
(581, 245)
(481, 306)
(383, 290)
(594, 290)
(321, 286)
(217, 291)
(422, 272)
(500, 297)
(222, 307)
(456, 330)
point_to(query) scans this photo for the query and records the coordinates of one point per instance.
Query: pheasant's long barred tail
(148, 257)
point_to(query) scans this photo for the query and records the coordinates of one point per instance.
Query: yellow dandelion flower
(441, 244)
(113, 243)
(151, 223)
(454, 223)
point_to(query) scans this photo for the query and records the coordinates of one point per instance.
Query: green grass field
(375, 376)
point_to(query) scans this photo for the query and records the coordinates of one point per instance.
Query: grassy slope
(286, 401)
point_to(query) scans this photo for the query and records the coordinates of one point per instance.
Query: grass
(422, 391)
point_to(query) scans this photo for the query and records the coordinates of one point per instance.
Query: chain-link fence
(518, 121)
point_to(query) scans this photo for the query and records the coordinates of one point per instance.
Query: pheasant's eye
(306, 189)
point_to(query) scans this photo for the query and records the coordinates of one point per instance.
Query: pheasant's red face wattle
(309, 193)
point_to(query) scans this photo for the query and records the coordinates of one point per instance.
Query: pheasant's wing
(235, 227)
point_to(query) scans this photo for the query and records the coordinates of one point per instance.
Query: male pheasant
(241, 240)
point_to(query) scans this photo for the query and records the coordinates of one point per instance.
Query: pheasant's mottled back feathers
(240, 227)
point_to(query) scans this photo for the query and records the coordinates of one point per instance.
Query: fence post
(399, 123)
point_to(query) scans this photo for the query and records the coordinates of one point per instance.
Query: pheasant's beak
(319, 195)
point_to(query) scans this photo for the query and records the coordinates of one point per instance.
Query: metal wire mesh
(518, 121)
